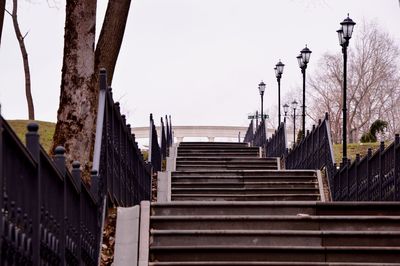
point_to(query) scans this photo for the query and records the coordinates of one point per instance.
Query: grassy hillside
(46, 131)
(353, 149)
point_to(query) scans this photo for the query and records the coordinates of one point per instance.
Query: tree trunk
(111, 35)
(77, 112)
(20, 38)
(2, 10)
(76, 117)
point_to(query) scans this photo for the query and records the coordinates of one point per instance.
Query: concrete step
(203, 143)
(180, 166)
(219, 153)
(245, 197)
(305, 254)
(243, 191)
(276, 222)
(217, 148)
(196, 208)
(267, 263)
(215, 154)
(253, 173)
(226, 159)
(240, 183)
(254, 238)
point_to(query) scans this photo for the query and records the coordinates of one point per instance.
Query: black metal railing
(276, 145)
(314, 151)
(48, 216)
(159, 152)
(260, 136)
(124, 174)
(249, 133)
(155, 157)
(376, 177)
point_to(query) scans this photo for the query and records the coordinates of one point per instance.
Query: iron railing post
(33, 145)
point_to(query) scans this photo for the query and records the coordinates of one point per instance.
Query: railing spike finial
(32, 140)
(382, 146)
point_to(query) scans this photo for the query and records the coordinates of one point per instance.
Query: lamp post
(261, 89)
(294, 106)
(303, 60)
(278, 73)
(285, 109)
(344, 34)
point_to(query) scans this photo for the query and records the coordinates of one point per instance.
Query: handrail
(249, 133)
(45, 202)
(314, 151)
(125, 176)
(276, 145)
(260, 136)
(154, 147)
(375, 177)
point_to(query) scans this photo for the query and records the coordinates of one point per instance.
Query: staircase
(231, 207)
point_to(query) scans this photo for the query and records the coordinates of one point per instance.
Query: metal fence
(159, 152)
(249, 133)
(124, 174)
(260, 136)
(277, 144)
(314, 151)
(48, 216)
(376, 177)
(154, 148)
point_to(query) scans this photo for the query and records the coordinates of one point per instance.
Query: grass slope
(46, 131)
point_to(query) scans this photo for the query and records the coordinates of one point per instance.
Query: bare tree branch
(24, 53)
(373, 80)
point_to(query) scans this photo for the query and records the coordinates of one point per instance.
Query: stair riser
(287, 255)
(241, 180)
(234, 240)
(224, 154)
(242, 185)
(244, 198)
(230, 224)
(272, 240)
(234, 210)
(276, 255)
(226, 160)
(267, 191)
(226, 167)
(261, 173)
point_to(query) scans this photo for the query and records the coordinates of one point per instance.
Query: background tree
(378, 126)
(76, 120)
(373, 82)
(25, 60)
(2, 11)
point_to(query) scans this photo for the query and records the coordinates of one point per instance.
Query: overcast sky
(198, 60)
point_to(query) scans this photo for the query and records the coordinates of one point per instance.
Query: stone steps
(276, 222)
(230, 207)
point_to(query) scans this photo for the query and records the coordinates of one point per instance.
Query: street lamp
(344, 34)
(294, 106)
(278, 73)
(261, 89)
(303, 60)
(285, 109)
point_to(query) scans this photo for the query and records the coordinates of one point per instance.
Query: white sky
(198, 60)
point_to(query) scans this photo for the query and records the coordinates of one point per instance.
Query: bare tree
(373, 80)
(2, 11)
(24, 53)
(76, 121)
